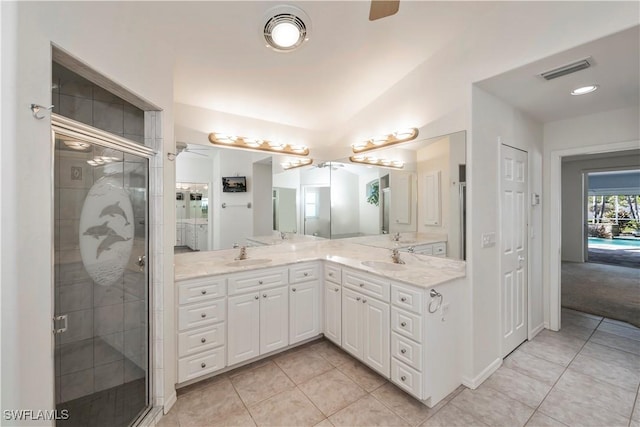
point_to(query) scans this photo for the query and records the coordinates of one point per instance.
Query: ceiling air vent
(566, 69)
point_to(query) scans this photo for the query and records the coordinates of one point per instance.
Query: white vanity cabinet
(333, 303)
(201, 327)
(365, 319)
(258, 306)
(304, 302)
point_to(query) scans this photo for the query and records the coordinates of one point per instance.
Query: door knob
(520, 258)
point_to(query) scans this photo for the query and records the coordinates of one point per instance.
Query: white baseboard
(473, 383)
(535, 331)
(171, 400)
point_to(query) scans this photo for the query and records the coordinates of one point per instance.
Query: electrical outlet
(488, 240)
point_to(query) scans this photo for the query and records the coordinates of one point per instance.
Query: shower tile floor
(586, 374)
(113, 407)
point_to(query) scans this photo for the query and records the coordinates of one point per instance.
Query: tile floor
(585, 375)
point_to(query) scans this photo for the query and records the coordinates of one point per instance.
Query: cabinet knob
(203, 315)
(403, 299)
(358, 298)
(259, 282)
(306, 274)
(403, 378)
(264, 295)
(403, 324)
(362, 285)
(203, 340)
(203, 365)
(403, 351)
(336, 289)
(293, 289)
(257, 297)
(203, 292)
(330, 274)
(364, 301)
(411, 249)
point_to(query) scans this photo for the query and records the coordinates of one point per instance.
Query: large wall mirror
(327, 200)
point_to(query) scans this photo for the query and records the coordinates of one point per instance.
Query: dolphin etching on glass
(108, 241)
(113, 210)
(99, 230)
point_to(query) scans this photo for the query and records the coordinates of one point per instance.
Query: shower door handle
(60, 324)
(142, 260)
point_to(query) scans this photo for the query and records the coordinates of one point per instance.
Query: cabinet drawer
(406, 298)
(257, 279)
(198, 340)
(406, 378)
(406, 324)
(304, 273)
(201, 290)
(201, 314)
(366, 284)
(200, 364)
(440, 249)
(407, 351)
(333, 274)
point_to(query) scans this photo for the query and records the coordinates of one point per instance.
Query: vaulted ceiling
(355, 78)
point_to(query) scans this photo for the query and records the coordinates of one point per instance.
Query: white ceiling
(355, 77)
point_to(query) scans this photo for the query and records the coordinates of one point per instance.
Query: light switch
(488, 240)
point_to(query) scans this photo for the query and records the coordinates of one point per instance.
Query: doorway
(101, 290)
(513, 247)
(317, 211)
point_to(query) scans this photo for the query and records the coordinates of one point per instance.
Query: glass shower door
(101, 284)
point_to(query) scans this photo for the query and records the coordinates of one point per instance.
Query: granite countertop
(418, 270)
(275, 239)
(406, 240)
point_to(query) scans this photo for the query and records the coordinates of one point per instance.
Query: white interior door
(514, 259)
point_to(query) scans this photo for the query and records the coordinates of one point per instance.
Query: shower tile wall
(104, 345)
(79, 99)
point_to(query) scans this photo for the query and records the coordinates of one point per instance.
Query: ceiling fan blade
(383, 8)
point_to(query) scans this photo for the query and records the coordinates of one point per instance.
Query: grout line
(634, 407)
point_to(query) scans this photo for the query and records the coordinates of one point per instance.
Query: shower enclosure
(101, 289)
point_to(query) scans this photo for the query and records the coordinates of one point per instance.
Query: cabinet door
(401, 197)
(243, 328)
(304, 311)
(352, 322)
(376, 335)
(333, 312)
(274, 319)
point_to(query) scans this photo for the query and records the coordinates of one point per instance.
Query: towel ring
(435, 294)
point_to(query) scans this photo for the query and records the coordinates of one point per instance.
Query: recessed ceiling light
(286, 28)
(584, 90)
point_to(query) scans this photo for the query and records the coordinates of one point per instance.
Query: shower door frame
(68, 127)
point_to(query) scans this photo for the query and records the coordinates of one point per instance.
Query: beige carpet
(605, 290)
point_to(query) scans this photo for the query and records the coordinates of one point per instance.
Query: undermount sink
(246, 262)
(383, 265)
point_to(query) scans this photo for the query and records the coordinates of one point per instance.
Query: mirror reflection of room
(417, 208)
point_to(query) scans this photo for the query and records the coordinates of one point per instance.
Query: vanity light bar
(374, 161)
(385, 140)
(296, 164)
(244, 143)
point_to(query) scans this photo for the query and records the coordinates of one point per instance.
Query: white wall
(573, 203)
(100, 34)
(494, 121)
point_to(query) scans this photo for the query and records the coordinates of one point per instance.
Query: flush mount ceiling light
(286, 28)
(385, 140)
(296, 163)
(253, 144)
(584, 90)
(374, 161)
(77, 145)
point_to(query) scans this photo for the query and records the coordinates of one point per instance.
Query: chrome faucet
(243, 253)
(283, 235)
(396, 237)
(395, 257)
